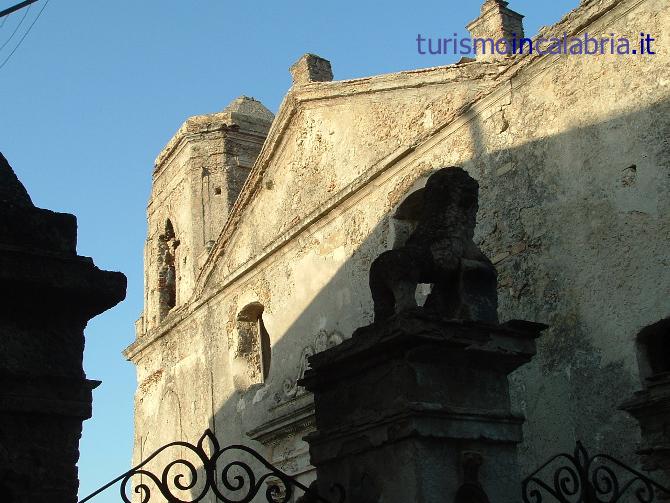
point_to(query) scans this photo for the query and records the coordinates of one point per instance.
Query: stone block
(311, 68)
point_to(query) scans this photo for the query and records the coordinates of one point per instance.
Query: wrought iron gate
(204, 469)
(581, 478)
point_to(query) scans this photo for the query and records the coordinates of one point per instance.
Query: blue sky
(97, 88)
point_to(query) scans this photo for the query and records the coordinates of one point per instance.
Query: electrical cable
(25, 34)
(25, 14)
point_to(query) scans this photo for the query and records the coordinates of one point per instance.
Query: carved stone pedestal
(417, 408)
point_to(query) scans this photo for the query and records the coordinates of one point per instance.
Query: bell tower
(196, 180)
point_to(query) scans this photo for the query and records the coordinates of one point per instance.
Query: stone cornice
(415, 420)
(284, 425)
(199, 125)
(46, 394)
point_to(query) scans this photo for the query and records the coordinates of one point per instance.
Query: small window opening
(167, 273)
(217, 191)
(629, 176)
(252, 351)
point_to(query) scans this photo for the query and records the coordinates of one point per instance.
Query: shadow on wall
(576, 224)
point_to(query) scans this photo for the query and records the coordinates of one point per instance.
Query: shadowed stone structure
(651, 405)
(441, 252)
(416, 406)
(49, 294)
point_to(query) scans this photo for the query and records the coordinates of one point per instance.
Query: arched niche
(252, 351)
(167, 270)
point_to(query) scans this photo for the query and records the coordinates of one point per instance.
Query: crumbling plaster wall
(578, 235)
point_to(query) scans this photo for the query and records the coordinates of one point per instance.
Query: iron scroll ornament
(244, 486)
(580, 478)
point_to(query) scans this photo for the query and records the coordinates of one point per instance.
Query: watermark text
(566, 45)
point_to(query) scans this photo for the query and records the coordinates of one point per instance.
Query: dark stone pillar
(48, 295)
(416, 406)
(417, 409)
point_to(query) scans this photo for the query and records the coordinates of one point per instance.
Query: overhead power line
(25, 34)
(16, 29)
(16, 7)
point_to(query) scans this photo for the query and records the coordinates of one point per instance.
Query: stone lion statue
(441, 252)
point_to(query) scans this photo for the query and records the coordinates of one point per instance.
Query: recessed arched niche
(167, 270)
(252, 351)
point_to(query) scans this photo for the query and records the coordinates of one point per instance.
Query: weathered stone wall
(573, 160)
(201, 343)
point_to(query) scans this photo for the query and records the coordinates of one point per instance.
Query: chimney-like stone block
(311, 68)
(495, 22)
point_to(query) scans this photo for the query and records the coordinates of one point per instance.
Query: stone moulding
(220, 122)
(59, 396)
(322, 341)
(284, 425)
(418, 420)
(413, 327)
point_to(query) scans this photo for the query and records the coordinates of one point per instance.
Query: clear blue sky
(97, 88)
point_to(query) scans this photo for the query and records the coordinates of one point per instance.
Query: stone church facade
(262, 230)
